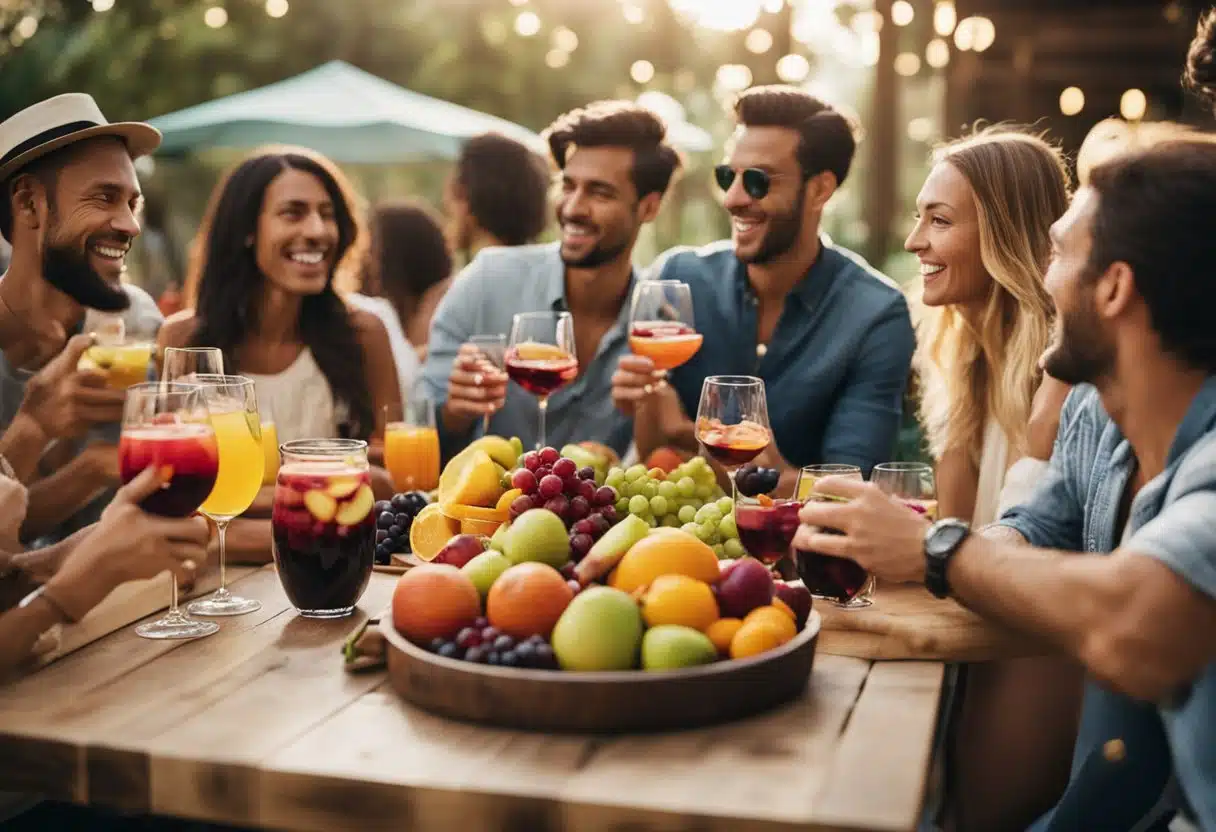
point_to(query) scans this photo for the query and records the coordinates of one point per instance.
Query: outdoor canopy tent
(352, 117)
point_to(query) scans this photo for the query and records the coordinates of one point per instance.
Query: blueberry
(475, 655)
(504, 643)
(450, 650)
(493, 657)
(436, 644)
(545, 657)
(400, 503)
(395, 531)
(525, 654)
(404, 520)
(510, 659)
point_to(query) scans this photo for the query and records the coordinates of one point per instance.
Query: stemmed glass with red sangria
(540, 356)
(661, 324)
(732, 422)
(168, 426)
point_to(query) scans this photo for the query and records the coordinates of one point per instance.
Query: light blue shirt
(1076, 508)
(483, 299)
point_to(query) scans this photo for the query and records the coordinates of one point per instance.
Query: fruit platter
(556, 591)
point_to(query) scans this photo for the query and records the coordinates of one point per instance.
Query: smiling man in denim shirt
(830, 337)
(1133, 474)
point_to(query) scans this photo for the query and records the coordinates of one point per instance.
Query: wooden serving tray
(608, 702)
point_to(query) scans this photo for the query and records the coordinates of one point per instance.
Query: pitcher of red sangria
(324, 526)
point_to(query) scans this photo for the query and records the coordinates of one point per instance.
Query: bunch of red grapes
(551, 481)
(484, 644)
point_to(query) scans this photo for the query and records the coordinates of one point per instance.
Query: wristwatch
(941, 542)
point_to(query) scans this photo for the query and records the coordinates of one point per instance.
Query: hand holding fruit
(476, 387)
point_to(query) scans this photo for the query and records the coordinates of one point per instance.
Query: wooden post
(882, 140)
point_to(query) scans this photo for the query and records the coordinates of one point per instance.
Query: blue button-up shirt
(1172, 519)
(483, 299)
(836, 366)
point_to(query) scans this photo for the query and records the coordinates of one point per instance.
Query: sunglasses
(756, 182)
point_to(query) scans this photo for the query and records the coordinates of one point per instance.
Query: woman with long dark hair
(281, 230)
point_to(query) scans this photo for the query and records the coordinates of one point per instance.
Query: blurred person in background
(406, 273)
(984, 319)
(780, 301)
(616, 165)
(497, 196)
(69, 209)
(280, 232)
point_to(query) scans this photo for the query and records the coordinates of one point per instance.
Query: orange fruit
(721, 632)
(665, 552)
(527, 600)
(434, 601)
(775, 617)
(678, 599)
(430, 530)
(755, 638)
(459, 511)
(785, 608)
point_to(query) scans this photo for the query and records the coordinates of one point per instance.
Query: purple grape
(599, 524)
(493, 658)
(549, 455)
(386, 519)
(381, 535)
(480, 623)
(570, 486)
(605, 495)
(542, 472)
(526, 654)
(584, 526)
(476, 655)
(580, 545)
(381, 507)
(468, 637)
(436, 643)
(564, 468)
(567, 570)
(532, 461)
(586, 473)
(489, 633)
(521, 504)
(449, 650)
(524, 480)
(609, 514)
(504, 643)
(579, 508)
(545, 657)
(550, 487)
(510, 659)
(586, 489)
(559, 505)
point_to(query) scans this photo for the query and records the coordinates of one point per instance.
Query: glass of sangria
(838, 580)
(124, 360)
(494, 350)
(661, 324)
(911, 483)
(732, 422)
(167, 426)
(324, 526)
(540, 357)
(766, 526)
(411, 445)
(233, 404)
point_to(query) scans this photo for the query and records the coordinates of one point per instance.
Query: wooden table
(260, 726)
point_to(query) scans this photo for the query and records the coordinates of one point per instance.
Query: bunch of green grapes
(688, 498)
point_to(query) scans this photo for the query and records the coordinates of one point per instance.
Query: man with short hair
(497, 196)
(1133, 474)
(70, 195)
(615, 166)
(830, 337)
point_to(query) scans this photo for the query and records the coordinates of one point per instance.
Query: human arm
(1042, 429)
(957, 478)
(65, 491)
(864, 422)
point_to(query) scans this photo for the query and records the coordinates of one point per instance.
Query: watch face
(946, 538)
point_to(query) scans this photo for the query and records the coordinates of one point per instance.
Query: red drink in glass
(733, 445)
(837, 579)
(187, 450)
(767, 531)
(540, 368)
(324, 537)
(667, 343)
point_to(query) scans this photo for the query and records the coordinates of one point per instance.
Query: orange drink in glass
(411, 446)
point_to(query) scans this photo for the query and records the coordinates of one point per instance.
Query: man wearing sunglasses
(831, 338)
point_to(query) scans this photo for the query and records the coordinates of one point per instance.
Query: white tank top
(299, 401)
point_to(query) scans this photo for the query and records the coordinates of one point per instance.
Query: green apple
(484, 570)
(538, 535)
(601, 629)
(669, 647)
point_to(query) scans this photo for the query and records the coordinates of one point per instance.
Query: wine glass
(123, 357)
(181, 363)
(493, 349)
(732, 422)
(167, 425)
(911, 483)
(661, 324)
(540, 356)
(838, 580)
(238, 432)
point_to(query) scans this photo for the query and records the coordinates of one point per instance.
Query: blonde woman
(983, 322)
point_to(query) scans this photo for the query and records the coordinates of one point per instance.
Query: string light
(26, 27)
(527, 24)
(556, 58)
(641, 71)
(937, 53)
(1072, 101)
(734, 77)
(276, 8)
(565, 39)
(944, 18)
(633, 14)
(902, 13)
(102, 5)
(985, 34)
(793, 69)
(215, 17)
(1133, 104)
(758, 41)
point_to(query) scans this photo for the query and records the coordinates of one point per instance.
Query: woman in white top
(407, 272)
(279, 233)
(984, 320)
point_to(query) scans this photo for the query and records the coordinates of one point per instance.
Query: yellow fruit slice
(480, 483)
(356, 509)
(458, 511)
(471, 525)
(504, 502)
(453, 471)
(500, 450)
(430, 530)
(342, 487)
(320, 505)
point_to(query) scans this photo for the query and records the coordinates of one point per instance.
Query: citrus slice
(459, 511)
(504, 502)
(430, 530)
(480, 484)
(470, 525)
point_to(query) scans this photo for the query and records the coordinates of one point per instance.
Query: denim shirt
(1172, 519)
(483, 300)
(837, 364)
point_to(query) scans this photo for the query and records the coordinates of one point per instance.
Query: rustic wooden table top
(260, 726)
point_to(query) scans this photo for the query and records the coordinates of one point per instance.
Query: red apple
(745, 586)
(798, 598)
(461, 549)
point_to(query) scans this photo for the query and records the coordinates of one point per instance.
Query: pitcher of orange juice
(411, 445)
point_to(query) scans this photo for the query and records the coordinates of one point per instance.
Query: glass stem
(734, 490)
(543, 406)
(222, 529)
(485, 425)
(173, 595)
